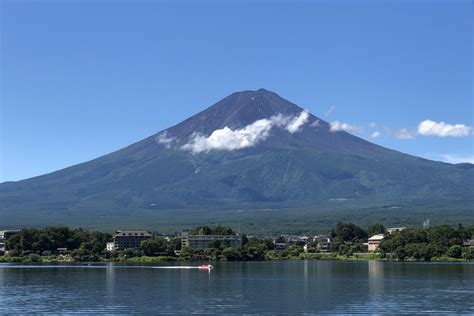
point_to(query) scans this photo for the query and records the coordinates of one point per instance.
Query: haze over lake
(262, 287)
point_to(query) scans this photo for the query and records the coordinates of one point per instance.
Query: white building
(4, 236)
(395, 229)
(110, 246)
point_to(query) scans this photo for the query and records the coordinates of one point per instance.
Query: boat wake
(201, 267)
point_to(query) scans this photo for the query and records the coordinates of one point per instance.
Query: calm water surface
(287, 287)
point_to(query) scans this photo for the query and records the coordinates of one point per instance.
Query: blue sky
(84, 78)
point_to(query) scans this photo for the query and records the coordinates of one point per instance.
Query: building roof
(214, 236)
(468, 243)
(132, 233)
(325, 238)
(377, 237)
(396, 229)
(2, 232)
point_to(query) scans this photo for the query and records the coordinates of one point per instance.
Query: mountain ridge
(250, 150)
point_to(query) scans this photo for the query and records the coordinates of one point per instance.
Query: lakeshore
(344, 242)
(162, 259)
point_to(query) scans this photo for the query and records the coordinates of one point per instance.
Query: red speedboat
(206, 267)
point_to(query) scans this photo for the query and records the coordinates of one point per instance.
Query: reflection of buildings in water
(110, 281)
(305, 280)
(323, 293)
(306, 272)
(376, 277)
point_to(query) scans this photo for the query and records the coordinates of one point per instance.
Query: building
(374, 241)
(323, 243)
(4, 236)
(469, 243)
(110, 246)
(395, 229)
(7, 234)
(205, 241)
(129, 239)
(281, 245)
(61, 250)
(295, 238)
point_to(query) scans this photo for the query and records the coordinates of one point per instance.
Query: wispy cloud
(442, 129)
(372, 125)
(404, 133)
(337, 126)
(164, 139)
(316, 123)
(248, 136)
(376, 134)
(330, 110)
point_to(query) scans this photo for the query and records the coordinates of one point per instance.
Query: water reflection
(376, 277)
(110, 282)
(252, 287)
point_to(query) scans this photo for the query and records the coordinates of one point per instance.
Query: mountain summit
(236, 111)
(241, 110)
(251, 150)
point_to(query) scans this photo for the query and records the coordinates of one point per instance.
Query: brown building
(130, 239)
(374, 241)
(204, 241)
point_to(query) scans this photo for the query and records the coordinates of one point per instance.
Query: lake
(276, 287)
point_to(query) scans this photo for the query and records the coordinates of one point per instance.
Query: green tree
(202, 230)
(375, 229)
(400, 253)
(222, 230)
(455, 251)
(345, 250)
(348, 232)
(155, 246)
(468, 254)
(231, 254)
(418, 251)
(295, 250)
(217, 230)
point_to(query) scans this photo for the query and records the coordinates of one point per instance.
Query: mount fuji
(253, 158)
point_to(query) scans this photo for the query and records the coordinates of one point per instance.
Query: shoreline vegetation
(64, 245)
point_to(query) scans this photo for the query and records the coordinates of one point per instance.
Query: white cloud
(337, 126)
(227, 139)
(442, 129)
(376, 134)
(316, 123)
(163, 138)
(248, 136)
(372, 125)
(404, 133)
(451, 158)
(295, 124)
(330, 110)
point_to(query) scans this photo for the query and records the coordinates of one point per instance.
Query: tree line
(425, 244)
(347, 240)
(81, 244)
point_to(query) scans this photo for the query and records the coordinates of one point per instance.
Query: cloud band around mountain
(248, 136)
